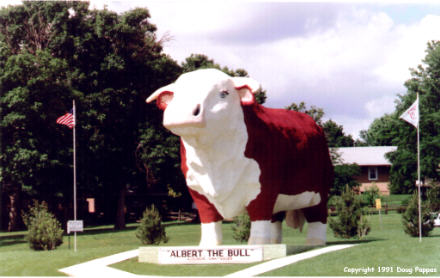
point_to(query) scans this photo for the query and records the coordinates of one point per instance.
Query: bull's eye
(224, 94)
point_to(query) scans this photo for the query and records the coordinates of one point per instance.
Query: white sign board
(75, 226)
(214, 255)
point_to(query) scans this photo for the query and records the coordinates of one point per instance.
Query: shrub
(151, 230)
(410, 218)
(44, 230)
(241, 228)
(370, 195)
(401, 209)
(433, 196)
(349, 221)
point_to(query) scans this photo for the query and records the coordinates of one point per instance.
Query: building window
(373, 174)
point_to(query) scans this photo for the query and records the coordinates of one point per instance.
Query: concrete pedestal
(226, 254)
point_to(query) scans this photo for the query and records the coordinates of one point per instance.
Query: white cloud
(349, 59)
(353, 68)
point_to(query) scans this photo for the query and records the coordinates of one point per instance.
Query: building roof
(365, 156)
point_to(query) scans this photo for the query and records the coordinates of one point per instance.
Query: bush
(433, 196)
(151, 230)
(410, 218)
(370, 195)
(242, 228)
(349, 221)
(44, 230)
(401, 209)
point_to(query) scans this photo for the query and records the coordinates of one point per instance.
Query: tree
(381, 132)
(315, 112)
(30, 159)
(151, 231)
(425, 80)
(349, 221)
(433, 197)
(344, 177)
(335, 135)
(109, 63)
(410, 219)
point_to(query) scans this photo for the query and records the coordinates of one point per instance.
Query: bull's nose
(196, 111)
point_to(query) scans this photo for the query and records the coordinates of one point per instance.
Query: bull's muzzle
(192, 118)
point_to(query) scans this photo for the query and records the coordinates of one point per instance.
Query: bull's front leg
(211, 234)
(211, 220)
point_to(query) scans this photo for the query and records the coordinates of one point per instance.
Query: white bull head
(206, 99)
(204, 108)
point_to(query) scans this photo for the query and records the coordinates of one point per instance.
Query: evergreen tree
(410, 219)
(350, 221)
(151, 230)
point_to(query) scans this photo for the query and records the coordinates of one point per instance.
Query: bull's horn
(156, 93)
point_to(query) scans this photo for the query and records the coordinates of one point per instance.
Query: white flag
(411, 115)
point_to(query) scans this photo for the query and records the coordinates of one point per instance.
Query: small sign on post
(75, 226)
(379, 207)
(378, 204)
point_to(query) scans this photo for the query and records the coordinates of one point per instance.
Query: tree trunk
(121, 209)
(14, 209)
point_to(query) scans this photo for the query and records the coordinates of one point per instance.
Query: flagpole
(74, 172)
(418, 172)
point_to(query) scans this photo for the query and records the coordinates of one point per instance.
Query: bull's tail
(295, 219)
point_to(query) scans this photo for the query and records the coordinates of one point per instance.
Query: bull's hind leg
(316, 217)
(267, 231)
(316, 233)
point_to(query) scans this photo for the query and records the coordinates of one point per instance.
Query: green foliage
(410, 219)
(241, 228)
(349, 221)
(151, 230)
(335, 135)
(381, 132)
(433, 196)
(315, 112)
(44, 230)
(109, 64)
(344, 175)
(390, 130)
(370, 195)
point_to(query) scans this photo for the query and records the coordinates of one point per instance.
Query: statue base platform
(224, 254)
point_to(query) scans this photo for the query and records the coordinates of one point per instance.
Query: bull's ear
(163, 96)
(163, 99)
(246, 88)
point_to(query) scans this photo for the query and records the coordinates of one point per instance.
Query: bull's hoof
(260, 240)
(315, 242)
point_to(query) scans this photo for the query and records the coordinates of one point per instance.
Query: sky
(350, 58)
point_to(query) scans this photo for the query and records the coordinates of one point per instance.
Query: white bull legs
(265, 232)
(316, 233)
(211, 234)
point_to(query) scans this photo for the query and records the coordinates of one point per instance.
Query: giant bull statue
(238, 155)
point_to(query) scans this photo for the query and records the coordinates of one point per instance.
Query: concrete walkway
(282, 262)
(100, 267)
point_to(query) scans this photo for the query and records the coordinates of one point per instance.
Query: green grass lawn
(387, 245)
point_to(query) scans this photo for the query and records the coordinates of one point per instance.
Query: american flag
(67, 119)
